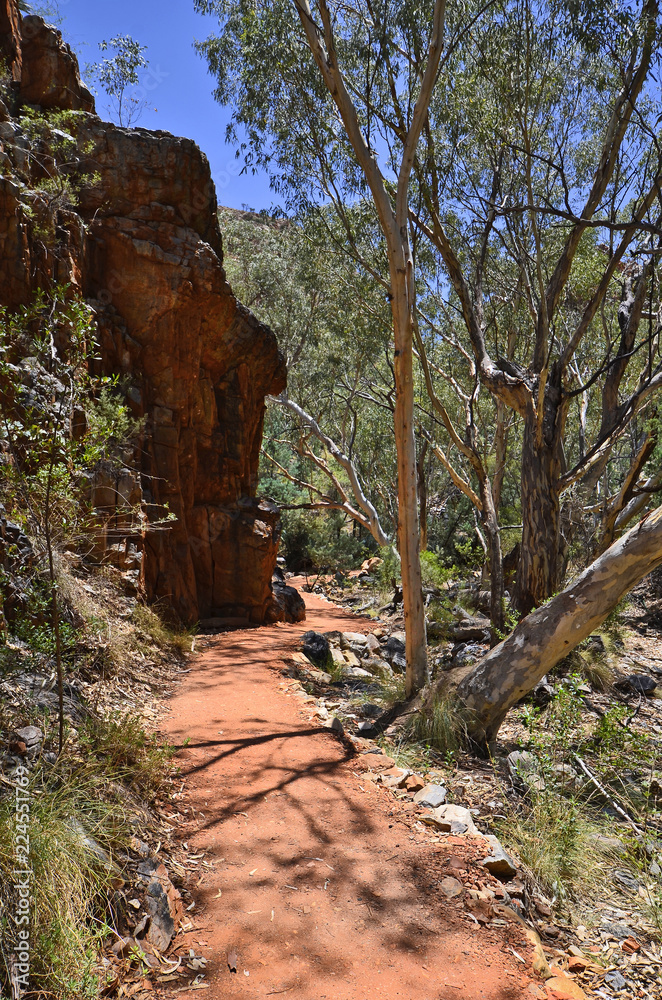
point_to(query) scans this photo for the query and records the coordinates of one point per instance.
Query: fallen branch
(603, 791)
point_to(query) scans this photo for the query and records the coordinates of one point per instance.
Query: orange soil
(319, 885)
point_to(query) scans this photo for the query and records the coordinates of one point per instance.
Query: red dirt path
(318, 885)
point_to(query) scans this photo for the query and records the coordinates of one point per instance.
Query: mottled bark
(408, 528)
(539, 568)
(543, 638)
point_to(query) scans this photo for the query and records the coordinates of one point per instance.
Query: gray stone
(349, 639)
(377, 666)
(336, 726)
(615, 930)
(161, 926)
(615, 980)
(524, 766)
(32, 736)
(465, 654)
(451, 819)
(367, 728)
(471, 628)
(316, 648)
(609, 845)
(566, 775)
(373, 643)
(355, 672)
(541, 694)
(370, 711)
(625, 880)
(639, 683)
(399, 663)
(393, 647)
(499, 863)
(431, 797)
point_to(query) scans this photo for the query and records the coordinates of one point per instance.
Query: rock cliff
(128, 217)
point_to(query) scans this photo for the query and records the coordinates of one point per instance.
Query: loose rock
(451, 819)
(451, 887)
(431, 796)
(499, 863)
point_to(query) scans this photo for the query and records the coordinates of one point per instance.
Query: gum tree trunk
(405, 443)
(544, 637)
(540, 566)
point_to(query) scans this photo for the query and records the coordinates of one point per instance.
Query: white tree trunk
(405, 442)
(549, 633)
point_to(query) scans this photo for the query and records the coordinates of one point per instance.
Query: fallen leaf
(253, 872)
(218, 894)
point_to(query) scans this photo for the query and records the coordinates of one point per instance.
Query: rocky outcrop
(49, 70)
(134, 229)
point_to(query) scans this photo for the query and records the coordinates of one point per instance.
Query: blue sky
(179, 85)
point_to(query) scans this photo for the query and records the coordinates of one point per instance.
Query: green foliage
(126, 752)
(433, 572)
(55, 429)
(517, 121)
(118, 73)
(73, 831)
(46, 386)
(320, 542)
(332, 327)
(158, 629)
(442, 727)
(553, 840)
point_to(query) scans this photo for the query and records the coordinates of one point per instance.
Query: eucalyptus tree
(302, 81)
(333, 328)
(539, 181)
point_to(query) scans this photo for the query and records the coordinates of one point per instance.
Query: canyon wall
(133, 228)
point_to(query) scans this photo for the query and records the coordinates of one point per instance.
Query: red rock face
(49, 70)
(142, 245)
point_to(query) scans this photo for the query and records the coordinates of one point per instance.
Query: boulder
(351, 659)
(286, 605)
(317, 649)
(639, 683)
(471, 628)
(354, 673)
(373, 643)
(524, 768)
(464, 654)
(541, 694)
(399, 663)
(393, 647)
(379, 667)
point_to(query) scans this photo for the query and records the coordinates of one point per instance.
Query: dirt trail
(318, 884)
